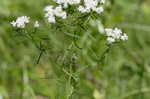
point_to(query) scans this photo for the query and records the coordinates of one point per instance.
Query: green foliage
(70, 65)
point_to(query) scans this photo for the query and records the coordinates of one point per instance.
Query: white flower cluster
(20, 22)
(65, 3)
(91, 5)
(115, 35)
(51, 12)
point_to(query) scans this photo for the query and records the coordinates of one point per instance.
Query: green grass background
(124, 75)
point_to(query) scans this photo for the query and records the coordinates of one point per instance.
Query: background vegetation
(124, 74)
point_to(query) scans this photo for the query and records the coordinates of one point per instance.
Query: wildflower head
(52, 13)
(114, 35)
(20, 22)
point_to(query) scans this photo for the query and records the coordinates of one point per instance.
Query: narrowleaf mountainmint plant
(61, 11)
(70, 17)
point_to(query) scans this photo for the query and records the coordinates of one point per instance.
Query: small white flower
(91, 5)
(36, 24)
(115, 35)
(13, 23)
(49, 8)
(20, 22)
(64, 15)
(60, 1)
(58, 11)
(109, 31)
(71, 2)
(99, 10)
(51, 19)
(52, 12)
(82, 9)
(124, 37)
(65, 3)
(110, 40)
